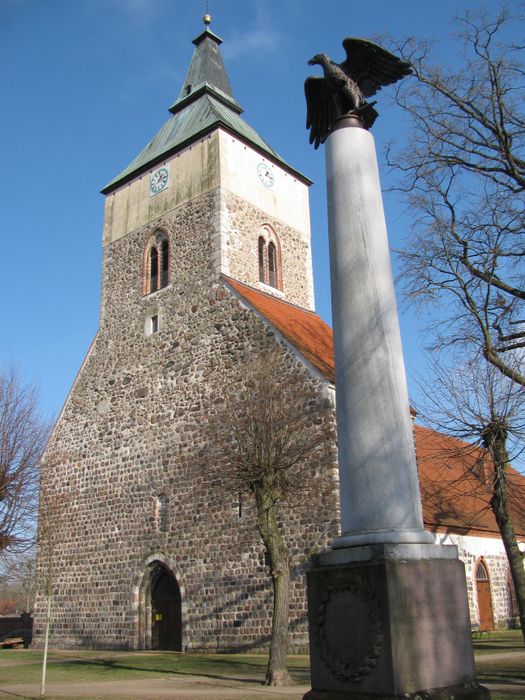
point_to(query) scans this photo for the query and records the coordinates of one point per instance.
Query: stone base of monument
(390, 621)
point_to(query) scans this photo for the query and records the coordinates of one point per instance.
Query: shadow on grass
(193, 667)
(501, 679)
(508, 646)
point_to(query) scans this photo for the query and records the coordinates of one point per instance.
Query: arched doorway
(486, 617)
(166, 621)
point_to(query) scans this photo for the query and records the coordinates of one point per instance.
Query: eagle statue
(344, 86)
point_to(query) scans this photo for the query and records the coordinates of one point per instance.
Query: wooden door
(166, 619)
(486, 617)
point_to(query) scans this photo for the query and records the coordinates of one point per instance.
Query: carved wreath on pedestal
(350, 669)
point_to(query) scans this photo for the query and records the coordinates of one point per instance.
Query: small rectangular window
(152, 321)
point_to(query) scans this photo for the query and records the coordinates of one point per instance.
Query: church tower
(206, 155)
(206, 266)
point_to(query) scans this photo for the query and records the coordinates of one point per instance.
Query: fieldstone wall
(134, 429)
(242, 224)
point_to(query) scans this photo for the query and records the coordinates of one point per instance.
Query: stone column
(387, 609)
(380, 499)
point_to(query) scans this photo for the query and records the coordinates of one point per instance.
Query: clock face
(158, 181)
(265, 174)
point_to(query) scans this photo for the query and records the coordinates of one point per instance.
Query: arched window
(262, 247)
(481, 572)
(269, 258)
(156, 263)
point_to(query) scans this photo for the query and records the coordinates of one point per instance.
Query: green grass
(502, 671)
(498, 641)
(23, 666)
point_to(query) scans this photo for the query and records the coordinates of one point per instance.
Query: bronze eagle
(344, 86)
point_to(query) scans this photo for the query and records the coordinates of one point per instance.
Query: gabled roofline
(69, 393)
(219, 124)
(314, 371)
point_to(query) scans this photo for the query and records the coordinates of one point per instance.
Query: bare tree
(264, 436)
(22, 438)
(463, 175)
(17, 581)
(474, 401)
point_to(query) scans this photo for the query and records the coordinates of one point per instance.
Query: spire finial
(207, 17)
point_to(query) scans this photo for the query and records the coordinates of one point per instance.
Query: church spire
(206, 73)
(205, 103)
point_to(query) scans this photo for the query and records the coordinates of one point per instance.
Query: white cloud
(260, 36)
(140, 11)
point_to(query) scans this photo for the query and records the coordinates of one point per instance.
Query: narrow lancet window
(239, 505)
(262, 246)
(165, 255)
(153, 269)
(162, 512)
(272, 265)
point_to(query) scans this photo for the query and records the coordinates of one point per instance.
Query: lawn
(83, 668)
(498, 670)
(499, 641)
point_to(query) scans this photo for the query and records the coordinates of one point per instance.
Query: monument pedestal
(390, 621)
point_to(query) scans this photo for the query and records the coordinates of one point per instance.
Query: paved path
(187, 688)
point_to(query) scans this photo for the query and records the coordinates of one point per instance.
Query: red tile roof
(454, 480)
(455, 483)
(305, 330)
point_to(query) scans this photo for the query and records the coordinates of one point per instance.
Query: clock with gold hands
(158, 181)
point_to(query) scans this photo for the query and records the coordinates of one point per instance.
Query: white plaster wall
(287, 199)
(477, 546)
(192, 172)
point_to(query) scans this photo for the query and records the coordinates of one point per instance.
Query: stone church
(207, 267)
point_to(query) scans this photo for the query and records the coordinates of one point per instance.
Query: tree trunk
(277, 671)
(496, 443)
(279, 564)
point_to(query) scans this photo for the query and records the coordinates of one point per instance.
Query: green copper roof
(206, 67)
(205, 102)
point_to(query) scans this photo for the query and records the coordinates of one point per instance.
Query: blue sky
(86, 83)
